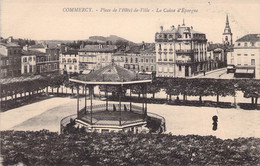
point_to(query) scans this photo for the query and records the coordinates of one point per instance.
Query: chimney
(127, 48)
(143, 45)
(161, 28)
(172, 27)
(81, 46)
(25, 47)
(10, 39)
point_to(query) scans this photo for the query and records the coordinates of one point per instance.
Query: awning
(249, 71)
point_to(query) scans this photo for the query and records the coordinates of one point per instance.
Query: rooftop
(72, 51)
(249, 38)
(142, 49)
(110, 74)
(32, 52)
(37, 46)
(99, 48)
(9, 44)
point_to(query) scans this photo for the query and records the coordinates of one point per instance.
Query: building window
(146, 60)
(238, 54)
(245, 54)
(30, 59)
(131, 60)
(75, 67)
(252, 61)
(70, 67)
(30, 69)
(126, 60)
(147, 69)
(245, 44)
(74, 60)
(25, 69)
(136, 60)
(180, 68)
(252, 54)
(253, 44)
(151, 68)
(152, 60)
(133, 66)
(238, 44)
(25, 59)
(69, 60)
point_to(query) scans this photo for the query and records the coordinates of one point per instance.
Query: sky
(50, 19)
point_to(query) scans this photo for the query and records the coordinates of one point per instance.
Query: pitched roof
(32, 52)
(249, 38)
(148, 49)
(37, 46)
(98, 48)
(72, 51)
(110, 73)
(10, 44)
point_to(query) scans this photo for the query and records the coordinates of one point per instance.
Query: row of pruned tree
(30, 84)
(200, 87)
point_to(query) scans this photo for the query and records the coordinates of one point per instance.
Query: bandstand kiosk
(109, 117)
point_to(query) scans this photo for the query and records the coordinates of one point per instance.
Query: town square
(130, 83)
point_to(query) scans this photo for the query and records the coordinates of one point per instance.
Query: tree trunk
(153, 95)
(183, 97)
(217, 98)
(252, 100)
(52, 90)
(47, 89)
(200, 99)
(256, 101)
(58, 88)
(170, 97)
(139, 95)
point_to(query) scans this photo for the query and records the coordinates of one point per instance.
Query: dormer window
(238, 44)
(165, 36)
(245, 44)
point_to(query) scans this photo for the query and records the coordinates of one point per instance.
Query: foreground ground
(180, 120)
(45, 148)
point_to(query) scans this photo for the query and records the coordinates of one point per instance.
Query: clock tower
(227, 35)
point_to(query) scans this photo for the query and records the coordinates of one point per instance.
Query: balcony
(183, 61)
(184, 51)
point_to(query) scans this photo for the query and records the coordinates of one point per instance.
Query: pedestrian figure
(215, 122)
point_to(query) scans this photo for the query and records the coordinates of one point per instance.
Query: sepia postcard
(110, 82)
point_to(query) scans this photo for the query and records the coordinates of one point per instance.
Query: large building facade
(94, 57)
(69, 61)
(246, 56)
(180, 52)
(10, 54)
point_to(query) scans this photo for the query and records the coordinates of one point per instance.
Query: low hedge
(48, 148)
